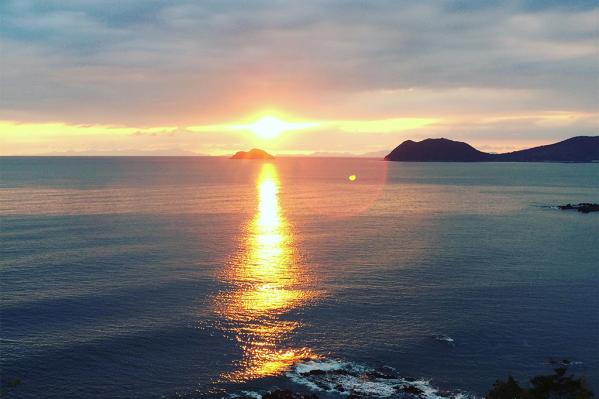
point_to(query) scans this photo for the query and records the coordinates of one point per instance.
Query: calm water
(201, 277)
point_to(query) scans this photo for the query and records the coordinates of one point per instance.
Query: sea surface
(207, 277)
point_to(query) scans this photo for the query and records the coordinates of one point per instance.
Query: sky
(134, 77)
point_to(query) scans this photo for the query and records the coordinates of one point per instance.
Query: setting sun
(268, 127)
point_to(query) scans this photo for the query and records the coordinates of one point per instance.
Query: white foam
(245, 394)
(322, 365)
(444, 338)
(343, 378)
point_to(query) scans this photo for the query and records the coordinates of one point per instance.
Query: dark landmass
(575, 149)
(556, 385)
(583, 207)
(254, 153)
(437, 150)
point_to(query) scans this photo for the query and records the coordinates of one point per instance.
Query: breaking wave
(444, 338)
(345, 378)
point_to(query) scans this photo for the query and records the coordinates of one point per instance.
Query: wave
(444, 338)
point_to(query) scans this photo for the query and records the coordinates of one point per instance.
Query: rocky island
(583, 207)
(575, 149)
(254, 153)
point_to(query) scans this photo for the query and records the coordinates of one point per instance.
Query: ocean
(204, 277)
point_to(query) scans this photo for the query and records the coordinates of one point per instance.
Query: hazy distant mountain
(254, 153)
(172, 152)
(373, 154)
(325, 154)
(575, 149)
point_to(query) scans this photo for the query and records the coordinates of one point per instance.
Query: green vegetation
(554, 386)
(7, 384)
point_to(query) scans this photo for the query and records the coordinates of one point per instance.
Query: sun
(269, 127)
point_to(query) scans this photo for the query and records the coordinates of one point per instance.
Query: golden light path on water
(266, 279)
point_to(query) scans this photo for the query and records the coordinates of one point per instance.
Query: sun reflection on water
(266, 283)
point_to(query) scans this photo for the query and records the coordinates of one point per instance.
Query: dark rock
(565, 207)
(386, 373)
(411, 389)
(286, 394)
(315, 372)
(583, 207)
(325, 372)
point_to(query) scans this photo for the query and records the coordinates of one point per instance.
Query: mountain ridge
(574, 149)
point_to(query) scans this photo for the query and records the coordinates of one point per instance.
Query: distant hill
(254, 153)
(575, 149)
(436, 150)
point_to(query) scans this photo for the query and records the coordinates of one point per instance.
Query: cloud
(495, 133)
(182, 63)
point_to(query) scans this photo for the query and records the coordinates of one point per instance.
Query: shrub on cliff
(558, 385)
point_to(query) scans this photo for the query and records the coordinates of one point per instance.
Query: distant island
(575, 149)
(254, 153)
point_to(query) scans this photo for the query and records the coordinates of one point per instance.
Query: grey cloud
(171, 62)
